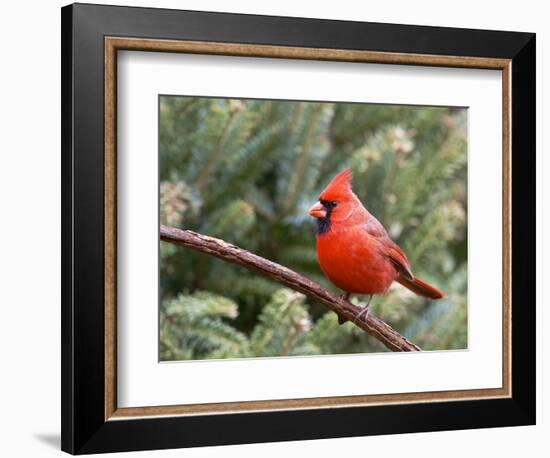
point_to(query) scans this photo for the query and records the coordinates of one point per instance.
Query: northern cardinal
(355, 251)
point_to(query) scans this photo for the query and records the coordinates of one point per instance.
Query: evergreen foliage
(246, 171)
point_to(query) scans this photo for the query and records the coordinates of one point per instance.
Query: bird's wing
(395, 254)
(399, 260)
(375, 228)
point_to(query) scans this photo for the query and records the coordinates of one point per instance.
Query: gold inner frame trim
(114, 44)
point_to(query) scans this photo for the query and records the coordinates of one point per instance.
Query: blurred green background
(247, 171)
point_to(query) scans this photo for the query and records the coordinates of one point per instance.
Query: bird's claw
(341, 318)
(363, 314)
(345, 296)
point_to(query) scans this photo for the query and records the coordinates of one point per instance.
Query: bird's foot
(363, 314)
(342, 319)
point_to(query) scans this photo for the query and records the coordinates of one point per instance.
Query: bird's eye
(328, 203)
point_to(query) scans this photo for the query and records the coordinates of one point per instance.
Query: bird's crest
(339, 187)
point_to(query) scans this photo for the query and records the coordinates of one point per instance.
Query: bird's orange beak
(318, 211)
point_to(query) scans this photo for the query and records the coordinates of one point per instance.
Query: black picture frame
(84, 428)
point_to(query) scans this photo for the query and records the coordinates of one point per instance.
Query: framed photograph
(281, 228)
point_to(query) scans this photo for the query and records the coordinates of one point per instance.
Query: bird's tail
(420, 287)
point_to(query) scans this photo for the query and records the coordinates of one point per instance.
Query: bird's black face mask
(323, 224)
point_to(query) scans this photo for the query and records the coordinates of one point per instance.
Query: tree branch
(231, 253)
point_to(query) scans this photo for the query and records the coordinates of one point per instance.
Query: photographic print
(368, 200)
(292, 215)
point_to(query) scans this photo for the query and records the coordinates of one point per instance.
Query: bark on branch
(231, 253)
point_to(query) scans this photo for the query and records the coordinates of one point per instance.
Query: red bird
(355, 251)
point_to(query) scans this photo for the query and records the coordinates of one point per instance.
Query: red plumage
(354, 250)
